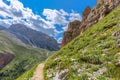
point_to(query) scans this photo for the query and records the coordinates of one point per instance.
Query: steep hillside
(16, 57)
(33, 37)
(90, 17)
(94, 55)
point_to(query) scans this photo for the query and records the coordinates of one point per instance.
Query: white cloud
(17, 13)
(56, 16)
(60, 40)
(74, 16)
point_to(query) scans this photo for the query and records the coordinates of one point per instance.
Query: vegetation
(27, 75)
(25, 57)
(95, 54)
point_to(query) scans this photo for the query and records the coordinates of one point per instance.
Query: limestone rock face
(86, 13)
(72, 32)
(89, 18)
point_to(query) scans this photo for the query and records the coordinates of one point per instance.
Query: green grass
(25, 57)
(92, 50)
(27, 75)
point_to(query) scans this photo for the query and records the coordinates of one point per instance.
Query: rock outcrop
(72, 32)
(90, 17)
(86, 13)
(5, 58)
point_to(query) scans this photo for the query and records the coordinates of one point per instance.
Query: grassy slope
(27, 75)
(90, 52)
(25, 57)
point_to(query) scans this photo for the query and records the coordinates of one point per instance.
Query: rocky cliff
(72, 32)
(90, 17)
(5, 58)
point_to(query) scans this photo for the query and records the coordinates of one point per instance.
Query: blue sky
(48, 16)
(67, 5)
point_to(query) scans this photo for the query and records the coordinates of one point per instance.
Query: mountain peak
(19, 27)
(33, 37)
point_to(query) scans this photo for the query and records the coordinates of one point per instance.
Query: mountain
(89, 18)
(33, 37)
(17, 57)
(2, 28)
(95, 53)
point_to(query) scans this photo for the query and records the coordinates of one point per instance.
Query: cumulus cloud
(56, 16)
(74, 16)
(15, 12)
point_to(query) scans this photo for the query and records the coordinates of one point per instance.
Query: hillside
(17, 57)
(93, 55)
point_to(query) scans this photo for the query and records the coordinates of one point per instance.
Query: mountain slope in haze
(24, 56)
(94, 55)
(2, 28)
(33, 37)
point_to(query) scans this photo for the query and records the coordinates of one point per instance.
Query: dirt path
(38, 74)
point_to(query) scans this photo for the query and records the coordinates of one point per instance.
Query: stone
(116, 34)
(71, 33)
(118, 42)
(86, 13)
(61, 75)
(117, 63)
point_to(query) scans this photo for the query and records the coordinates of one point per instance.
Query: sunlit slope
(95, 54)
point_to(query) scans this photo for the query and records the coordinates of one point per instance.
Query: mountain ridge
(32, 37)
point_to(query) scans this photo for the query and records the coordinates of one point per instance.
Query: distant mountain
(2, 28)
(33, 37)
